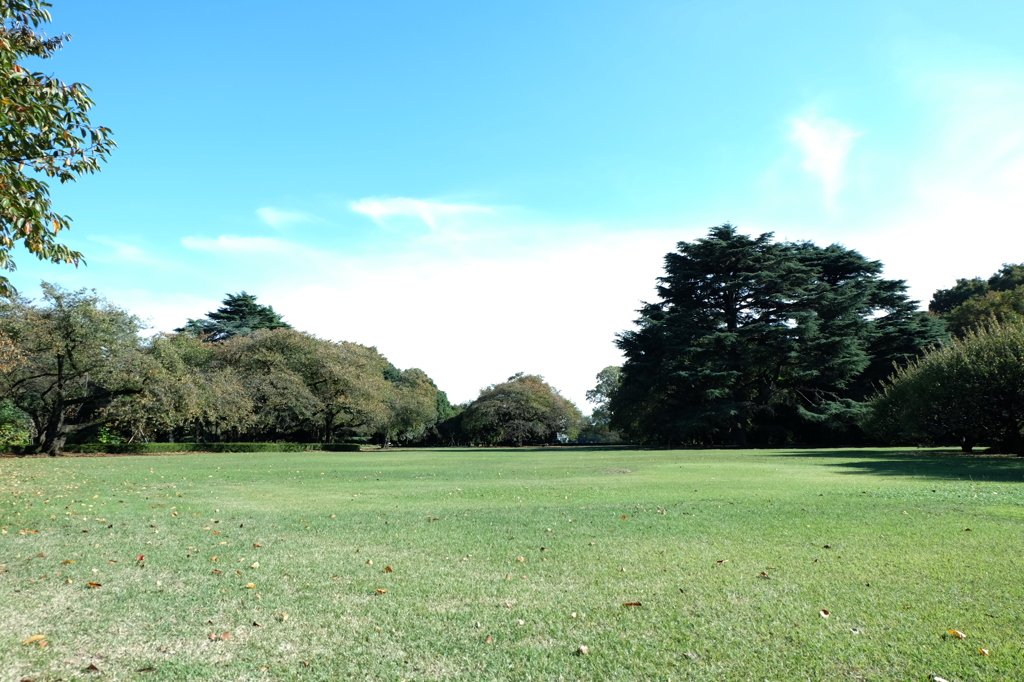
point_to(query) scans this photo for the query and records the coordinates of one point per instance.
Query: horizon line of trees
(752, 342)
(74, 368)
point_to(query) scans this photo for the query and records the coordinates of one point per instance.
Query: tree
(77, 354)
(45, 132)
(756, 336)
(240, 315)
(522, 410)
(1000, 304)
(967, 391)
(597, 428)
(190, 395)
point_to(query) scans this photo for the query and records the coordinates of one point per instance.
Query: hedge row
(127, 448)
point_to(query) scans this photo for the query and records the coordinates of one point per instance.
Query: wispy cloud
(825, 144)
(123, 252)
(430, 212)
(230, 243)
(277, 218)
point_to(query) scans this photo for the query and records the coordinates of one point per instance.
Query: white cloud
(122, 252)
(428, 211)
(825, 144)
(277, 218)
(226, 244)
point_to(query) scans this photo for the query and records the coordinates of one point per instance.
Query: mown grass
(594, 528)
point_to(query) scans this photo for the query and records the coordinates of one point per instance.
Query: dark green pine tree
(240, 315)
(751, 337)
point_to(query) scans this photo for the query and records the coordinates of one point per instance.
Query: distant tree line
(74, 368)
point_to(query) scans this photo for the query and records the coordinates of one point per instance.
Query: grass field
(500, 564)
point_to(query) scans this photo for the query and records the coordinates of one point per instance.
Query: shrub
(967, 391)
(144, 448)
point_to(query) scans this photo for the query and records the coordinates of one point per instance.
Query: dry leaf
(255, 565)
(213, 558)
(722, 561)
(92, 668)
(264, 668)
(691, 656)
(824, 614)
(45, 643)
(583, 650)
(936, 678)
(256, 624)
(623, 516)
(388, 569)
(94, 585)
(217, 571)
(250, 586)
(957, 634)
(141, 557)
(521, 559)
(146, 670)
(489, 639)
(765, 576)
(225, 636)
(380, 591)
(33, 639)
(369, 562)
(256, 544)
(984, 652)
(68, 561)
(631, 603)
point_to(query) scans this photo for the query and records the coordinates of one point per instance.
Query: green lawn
(506, 562)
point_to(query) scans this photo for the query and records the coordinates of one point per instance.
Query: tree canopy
(45, 132)
(240, 315)
(974, 303)
(756, 337)
(76, 354)
(524, 410)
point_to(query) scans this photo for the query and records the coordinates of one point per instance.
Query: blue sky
(484, 188)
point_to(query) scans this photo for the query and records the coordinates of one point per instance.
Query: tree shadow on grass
(934, 464)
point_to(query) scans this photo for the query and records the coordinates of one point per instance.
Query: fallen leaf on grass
(824, 614)
(217, 571)
(256, 544)
(691, 656)
(148, 669)
(388, 569)
(250, 586)
(140, 557)
(224, 636)
(93, 585)
(92, 668)
(984, 652)
(33, 639)
(489, 639)
(369, 562)
(623, 516)
(722, 561)
(957, 634)
(631, 603)
(68, 561)
(583, 650)
(256, 624)
(264, 668)
(213, 558)
(765, 576)
(380, 591)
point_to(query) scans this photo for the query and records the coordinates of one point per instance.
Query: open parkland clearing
(525, 564)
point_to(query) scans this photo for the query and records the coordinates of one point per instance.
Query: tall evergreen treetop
(240, 315)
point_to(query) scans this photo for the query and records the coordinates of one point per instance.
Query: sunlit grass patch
(505, 562)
